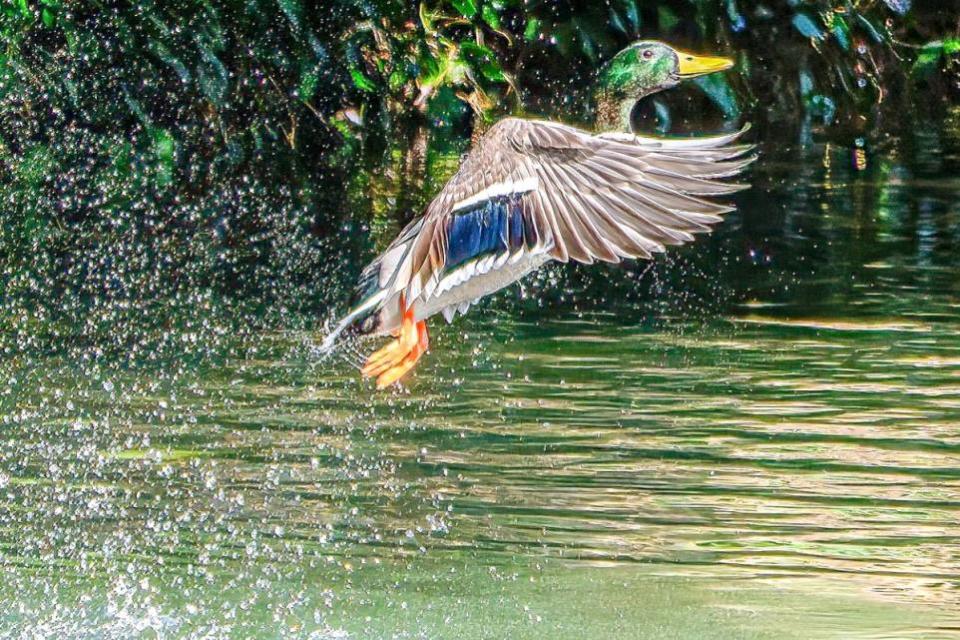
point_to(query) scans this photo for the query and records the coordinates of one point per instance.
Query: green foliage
(933, 54)
(361, 81)
(152, 148)
(466, 8)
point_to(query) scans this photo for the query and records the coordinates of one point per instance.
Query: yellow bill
(691, 66)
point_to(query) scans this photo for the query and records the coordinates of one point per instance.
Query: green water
(759, 437)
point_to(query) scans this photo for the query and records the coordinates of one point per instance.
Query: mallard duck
(532, 191)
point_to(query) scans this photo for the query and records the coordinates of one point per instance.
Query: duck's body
(532, 191)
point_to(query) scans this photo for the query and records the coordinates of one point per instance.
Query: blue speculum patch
(494, 226)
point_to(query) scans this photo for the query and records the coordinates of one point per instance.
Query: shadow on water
(756, 437)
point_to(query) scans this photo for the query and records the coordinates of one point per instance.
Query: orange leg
(390, 363)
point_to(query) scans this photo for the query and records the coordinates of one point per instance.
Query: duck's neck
(612, 112)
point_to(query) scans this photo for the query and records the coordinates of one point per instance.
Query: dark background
(219, 166)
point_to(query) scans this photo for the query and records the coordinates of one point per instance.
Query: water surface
(758, 437)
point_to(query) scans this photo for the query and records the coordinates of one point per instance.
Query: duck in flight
(532, 191)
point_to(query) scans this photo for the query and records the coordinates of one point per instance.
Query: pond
(755, 437)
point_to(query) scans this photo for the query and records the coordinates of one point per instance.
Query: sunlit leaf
(430, 71)
(426, 17)
(490, 16)
(483, 59)
(163, 145)
(929, 58)
(457, 71)
(361, 81)
(25, 10)
(396, 80)
(467, 8)
(532, 30)
(164, 153)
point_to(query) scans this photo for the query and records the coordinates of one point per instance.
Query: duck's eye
(648, 54)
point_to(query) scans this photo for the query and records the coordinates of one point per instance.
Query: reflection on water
(757, 438)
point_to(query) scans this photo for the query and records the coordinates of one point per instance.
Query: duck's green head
(649, 66)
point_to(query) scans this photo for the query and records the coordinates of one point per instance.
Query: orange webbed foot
(391, 362)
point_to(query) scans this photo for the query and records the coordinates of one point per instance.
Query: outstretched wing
(572, 194)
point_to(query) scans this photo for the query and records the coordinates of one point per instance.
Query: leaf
(633, 15)
(617, 22)
(490, 16)
(430, 71)
(532, 30)
(666, 18)
(872, 30)
(48, 17)
(467, 8)
(396, 80)
(737, 22)
(720, 93)
(664, 121)
(806, 83)
(926, 62)
(841, 32)
(309, 79)
(361, 81)
(806, 26)
(213, 77)
(319, 51)
(164, 152)
(898, 6)
(482, 59)
(163, 145)
(446, 107)
(426, 18)
(586, 42)
(293, 11)
(159, 50)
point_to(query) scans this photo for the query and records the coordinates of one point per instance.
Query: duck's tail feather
(373, 288)
(333, 339)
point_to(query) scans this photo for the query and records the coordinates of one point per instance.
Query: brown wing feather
(605, 197)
